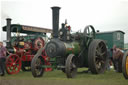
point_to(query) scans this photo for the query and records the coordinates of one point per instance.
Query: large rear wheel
(97, 56)
(13, 64)
(71, 68)
(125, 65)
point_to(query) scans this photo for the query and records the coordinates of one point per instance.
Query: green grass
(59, 78)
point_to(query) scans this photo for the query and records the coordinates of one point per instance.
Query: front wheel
(125, 65)
(13, 64)
(71, 68)
(36, 66)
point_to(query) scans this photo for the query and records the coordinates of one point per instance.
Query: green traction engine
(69, 51)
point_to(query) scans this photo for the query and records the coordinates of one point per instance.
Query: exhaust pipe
(55, 21)
(8, 28)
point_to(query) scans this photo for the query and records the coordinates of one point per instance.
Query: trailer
(112, 38)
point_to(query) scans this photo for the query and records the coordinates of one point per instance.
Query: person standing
(2, 58)
(117, 57)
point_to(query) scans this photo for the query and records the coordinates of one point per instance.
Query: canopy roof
(27, 29)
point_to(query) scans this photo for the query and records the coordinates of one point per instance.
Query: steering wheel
(89, 34)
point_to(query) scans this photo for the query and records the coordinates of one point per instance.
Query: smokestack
(55, 21)
(8, 28)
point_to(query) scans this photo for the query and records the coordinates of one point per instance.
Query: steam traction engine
(125, 65)
(71, 51)
(23, 45)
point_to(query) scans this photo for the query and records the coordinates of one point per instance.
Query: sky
(104, 15)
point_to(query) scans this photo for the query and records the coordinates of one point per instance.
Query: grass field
(59, 78)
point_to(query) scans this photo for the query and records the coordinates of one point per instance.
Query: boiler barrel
(58, 48)
(72, 47)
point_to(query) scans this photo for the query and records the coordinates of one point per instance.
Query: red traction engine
(23, 45)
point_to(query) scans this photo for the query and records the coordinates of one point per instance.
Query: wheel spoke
(16, 60)
(12, 60)
(97, 53)
(103, 62)
(88, 30)
(103, 53)
(98, 49)
(8, 63)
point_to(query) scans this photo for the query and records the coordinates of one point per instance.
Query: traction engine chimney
(55, 21)
(8, 28)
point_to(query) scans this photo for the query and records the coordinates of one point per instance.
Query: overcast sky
(104, 15)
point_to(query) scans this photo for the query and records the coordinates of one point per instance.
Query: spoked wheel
(37, 63)
(13, 64)
(97, 56)
(38, 43)
(71, 68)
(26, 66)
(125, 65)
(89, 34)
(36, 66)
